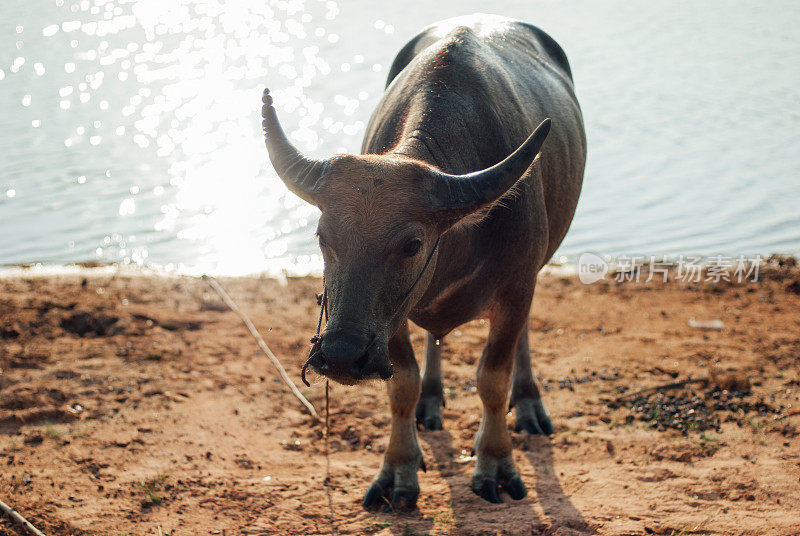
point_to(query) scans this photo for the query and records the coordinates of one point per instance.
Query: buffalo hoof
(505, 477)
(532, 417)
(395, 489)
(429, 412)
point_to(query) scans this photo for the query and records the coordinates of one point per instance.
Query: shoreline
(562, 267)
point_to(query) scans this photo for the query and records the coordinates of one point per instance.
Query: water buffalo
(446, 216)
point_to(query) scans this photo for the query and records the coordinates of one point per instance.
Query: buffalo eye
(412, 247)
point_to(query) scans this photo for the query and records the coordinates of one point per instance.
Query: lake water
(130, 131)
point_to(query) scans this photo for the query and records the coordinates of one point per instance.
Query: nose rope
(316, 340)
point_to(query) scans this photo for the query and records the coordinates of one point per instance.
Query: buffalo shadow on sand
(559, 512)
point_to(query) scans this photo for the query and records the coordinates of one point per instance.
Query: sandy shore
(135, 404)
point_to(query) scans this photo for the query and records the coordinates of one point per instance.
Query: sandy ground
(135, 404)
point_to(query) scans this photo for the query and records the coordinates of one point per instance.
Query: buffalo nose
(346, 351)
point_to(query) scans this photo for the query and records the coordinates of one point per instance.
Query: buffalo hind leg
(526, 399)
(495, 468)
(396, 487)
(431, 399)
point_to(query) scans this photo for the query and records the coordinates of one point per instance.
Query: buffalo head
(382, 216)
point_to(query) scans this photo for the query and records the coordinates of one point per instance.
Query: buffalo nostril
(386, 371)
(319, 363)
(361, 364)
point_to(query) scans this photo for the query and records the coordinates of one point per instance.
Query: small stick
(14, 515)
(664, 387)
(706, 520)
(254, 332)
(790, 414)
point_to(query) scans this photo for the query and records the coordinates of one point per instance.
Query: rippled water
(130, 131)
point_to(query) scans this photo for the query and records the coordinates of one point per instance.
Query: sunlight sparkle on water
(178, 83)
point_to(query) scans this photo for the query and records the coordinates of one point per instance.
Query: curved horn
(302, 175)
(459, 195)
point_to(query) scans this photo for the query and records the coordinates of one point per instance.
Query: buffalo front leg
(495, 469)
(526, 399)
(396, 487)
(431, 400)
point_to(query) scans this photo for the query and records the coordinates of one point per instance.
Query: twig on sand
(706, 520)
(16, 517)
(792, 413)
(263, 345)
(663, 387)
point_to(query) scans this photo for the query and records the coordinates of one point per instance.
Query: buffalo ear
(302, 175)
(454, 196)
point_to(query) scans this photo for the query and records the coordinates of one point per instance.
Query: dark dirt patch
(89, 324)
(9, 333)
(689, 410)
